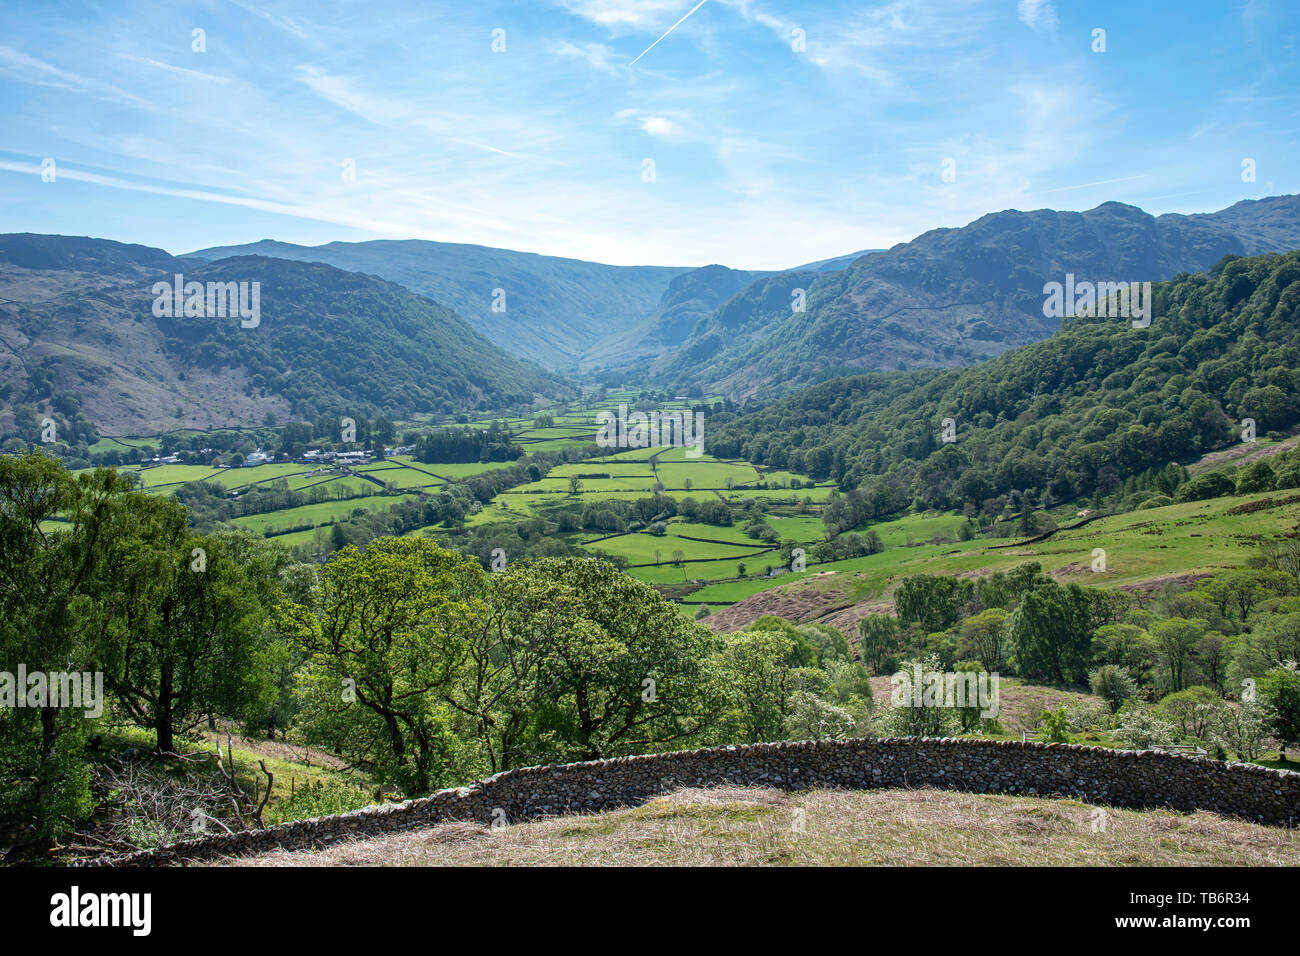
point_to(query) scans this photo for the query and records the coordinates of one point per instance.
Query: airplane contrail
(668, 31)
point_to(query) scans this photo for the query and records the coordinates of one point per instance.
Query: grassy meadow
(713, 566)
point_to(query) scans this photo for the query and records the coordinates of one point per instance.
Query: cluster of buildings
(313, 456)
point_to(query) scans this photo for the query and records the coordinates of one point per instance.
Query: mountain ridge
(955, 296)
(325, 340)
(552, 309)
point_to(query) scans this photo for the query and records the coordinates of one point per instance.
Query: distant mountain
(1080, 413)
(955, 296)
(77, 317)
(77, 253)
(830, 265)
(689, 298)
(555, 310)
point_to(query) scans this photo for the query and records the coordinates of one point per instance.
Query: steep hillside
(1147, 549)
(554, 309)
(957, 296)
(834, 263)
(689, 298)
(1067, 417)
(77, 317)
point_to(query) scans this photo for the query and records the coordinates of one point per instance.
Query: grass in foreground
(734, 826)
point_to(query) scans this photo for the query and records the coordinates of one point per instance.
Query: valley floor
(734, 826)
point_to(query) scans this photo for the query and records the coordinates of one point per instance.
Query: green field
(160, 476)
(630, 474)
(1177, 539)
(642, 549)
(317, 514)
(1162, 542)
(1140, 546)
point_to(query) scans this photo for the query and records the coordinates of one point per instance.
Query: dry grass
(735, 826)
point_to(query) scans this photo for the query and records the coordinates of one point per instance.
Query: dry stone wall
(1122, 778)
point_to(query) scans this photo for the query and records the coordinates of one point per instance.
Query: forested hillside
(689, 298)
(1062, 418)
(77, 322)
(553, 309)
(956, 296)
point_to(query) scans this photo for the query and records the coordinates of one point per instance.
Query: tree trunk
(49, 731)
(163, 724)
(49, 737)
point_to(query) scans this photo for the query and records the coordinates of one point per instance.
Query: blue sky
(765, 156)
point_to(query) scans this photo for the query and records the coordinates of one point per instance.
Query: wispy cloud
(1037, 14)
(1100, 182)
(388, 111)
(298, 27)
(179, 70)
(877, 43)
(28, 69)
(180, 192)
(633, 14)
(597, 55)
(768, 151)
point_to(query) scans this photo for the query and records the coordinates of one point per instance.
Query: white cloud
(1037, 13)
(879, 43)
(597, 55)
(296, 27)
(388, 111)
(659, 126)
(667, 125)
(340, 91)
(634, 14)
(183, 71)
(28, 69)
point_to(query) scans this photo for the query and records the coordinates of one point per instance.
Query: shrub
(812, 718)
(1193, 710)
(906, 720)
(1084, 715)
(1241, 729)
(1257, 476)
(1140, 729)
(1113, 684)
(1213, 485)
(848, 684)
(1155, 501)
(1056, 726)
(1287, 477)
